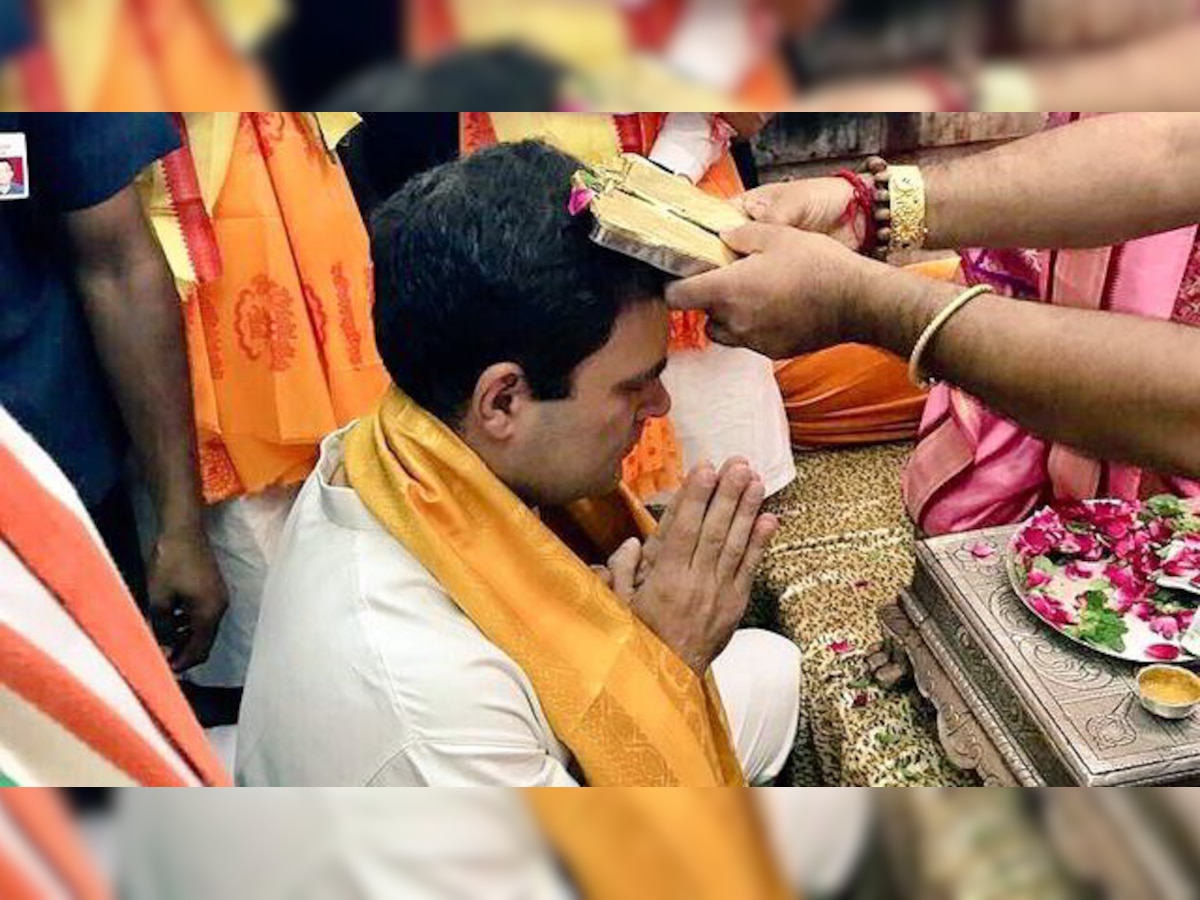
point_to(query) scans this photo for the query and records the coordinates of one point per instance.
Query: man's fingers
(653, 544)
(604, 575)
(774, 203)
(732, 481)
(713, 290)
(765, 528)
(200, 635)
(704, 291)
(738, 538)
(623, 565)
(719, 334)
(679, 544)
(753, 237)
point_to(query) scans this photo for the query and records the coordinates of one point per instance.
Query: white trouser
(243, 533)
(758, 676)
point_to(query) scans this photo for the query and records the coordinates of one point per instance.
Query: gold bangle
(906, 199)
(915, 373)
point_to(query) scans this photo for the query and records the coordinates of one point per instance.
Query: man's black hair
(478, 261)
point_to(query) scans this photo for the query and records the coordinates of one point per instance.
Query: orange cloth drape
(851, 394)
(126, 55)
(281, 342)
(626, 706)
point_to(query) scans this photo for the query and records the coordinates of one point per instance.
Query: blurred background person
(270, 257)
(88, 311)
(127, 55)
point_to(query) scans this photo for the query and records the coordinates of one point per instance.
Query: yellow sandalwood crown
(643, 211)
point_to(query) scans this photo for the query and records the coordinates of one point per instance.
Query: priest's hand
(697, 583)
(822, 205)
(791, 294)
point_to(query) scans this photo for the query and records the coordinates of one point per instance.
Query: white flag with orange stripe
(86, 697)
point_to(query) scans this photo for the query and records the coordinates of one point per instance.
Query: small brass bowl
(1176, 677)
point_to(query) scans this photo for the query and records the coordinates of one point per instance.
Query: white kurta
(365, 672)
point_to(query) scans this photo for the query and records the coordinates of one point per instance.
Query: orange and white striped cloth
(41, 854)
(86, 696)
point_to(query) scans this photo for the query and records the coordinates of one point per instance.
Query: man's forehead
(637, 345)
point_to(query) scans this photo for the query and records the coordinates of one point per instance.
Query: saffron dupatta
(631, 712)
(273, 265)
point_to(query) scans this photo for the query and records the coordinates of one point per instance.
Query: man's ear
(501, 396)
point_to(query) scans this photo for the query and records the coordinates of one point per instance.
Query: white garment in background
(319, 843)
(715, 44)
(725, 402)
(243, 533)
(365, 672)
(690, 144)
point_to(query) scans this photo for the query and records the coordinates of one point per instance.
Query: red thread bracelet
(861, 201)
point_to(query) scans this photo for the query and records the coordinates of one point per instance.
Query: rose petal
(982, 550)
(1078, 571)
(1162, 651)
(581, 199)
(1037, 578)
(1165, 626)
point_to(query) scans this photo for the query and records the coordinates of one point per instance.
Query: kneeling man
(440, 612)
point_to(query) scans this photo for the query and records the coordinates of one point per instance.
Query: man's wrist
(181, 514)
(889, 307)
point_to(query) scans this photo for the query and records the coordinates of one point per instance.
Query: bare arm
(1095, 182)
(1114, 386)
(134, 313)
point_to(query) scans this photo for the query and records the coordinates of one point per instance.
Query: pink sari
(973, 468)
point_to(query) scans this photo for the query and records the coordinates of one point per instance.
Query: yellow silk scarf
(631, 712)
(677, 844)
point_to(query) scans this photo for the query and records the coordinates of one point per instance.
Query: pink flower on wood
(982, 550)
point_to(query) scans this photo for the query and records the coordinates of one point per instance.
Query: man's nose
(658, 404)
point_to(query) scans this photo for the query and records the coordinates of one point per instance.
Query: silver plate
(667, 259)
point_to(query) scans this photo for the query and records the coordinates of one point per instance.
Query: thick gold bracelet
(906, 193)
(916, 373)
